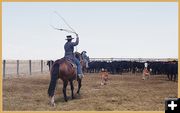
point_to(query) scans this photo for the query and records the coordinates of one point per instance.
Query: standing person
(69, 53)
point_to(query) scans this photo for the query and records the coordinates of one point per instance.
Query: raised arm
(77, 41)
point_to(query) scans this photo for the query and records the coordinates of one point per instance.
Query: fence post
(41, 66)
(30, 67)
(17, 67)
(4, 68)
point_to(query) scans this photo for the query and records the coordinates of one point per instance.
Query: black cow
(172, 70)
(119, 67)
(50, 63)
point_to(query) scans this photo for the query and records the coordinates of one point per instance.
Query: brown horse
(67, 72)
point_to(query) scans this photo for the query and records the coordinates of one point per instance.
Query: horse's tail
(54, 78)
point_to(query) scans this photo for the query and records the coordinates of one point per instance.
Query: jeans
(77, 62)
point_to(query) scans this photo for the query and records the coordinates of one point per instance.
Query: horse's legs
(171, 76)
(72, 89)
(168, 75)
(79, 85)
(65, 83)
(174, 77)
(52, 85)
(143, 77)
(52, 103)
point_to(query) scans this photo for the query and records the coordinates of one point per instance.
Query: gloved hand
(77, 35)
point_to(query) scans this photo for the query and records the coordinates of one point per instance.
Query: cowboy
(69, 53)
(85, 58)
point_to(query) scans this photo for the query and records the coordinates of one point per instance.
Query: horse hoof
(73, 97)
(52, 104)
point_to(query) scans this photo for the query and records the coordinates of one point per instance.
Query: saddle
(71, 62)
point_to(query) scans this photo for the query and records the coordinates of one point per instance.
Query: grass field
(122, 93)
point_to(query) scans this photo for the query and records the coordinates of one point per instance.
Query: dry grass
(123, 92)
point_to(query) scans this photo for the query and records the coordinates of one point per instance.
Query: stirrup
(80, 76)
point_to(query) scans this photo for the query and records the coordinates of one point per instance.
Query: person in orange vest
(104, 76)
(146, 74)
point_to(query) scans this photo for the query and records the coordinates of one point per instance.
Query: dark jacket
(69, 48)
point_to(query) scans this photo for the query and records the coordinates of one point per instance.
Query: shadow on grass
(61, 99)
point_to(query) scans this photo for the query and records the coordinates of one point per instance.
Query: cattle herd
(169, 68)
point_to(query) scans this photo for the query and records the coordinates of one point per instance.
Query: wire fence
(23, 67)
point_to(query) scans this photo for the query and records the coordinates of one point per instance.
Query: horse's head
(79, 57)
(84, 56)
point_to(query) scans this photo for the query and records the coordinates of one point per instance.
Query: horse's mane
(77, 53)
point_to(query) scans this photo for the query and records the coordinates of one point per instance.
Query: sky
(106, 30)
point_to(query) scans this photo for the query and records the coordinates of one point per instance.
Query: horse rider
(69, 53)
(85, 58)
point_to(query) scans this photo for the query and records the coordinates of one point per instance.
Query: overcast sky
(106, 30)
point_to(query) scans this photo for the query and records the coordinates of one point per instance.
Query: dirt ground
(125, 92)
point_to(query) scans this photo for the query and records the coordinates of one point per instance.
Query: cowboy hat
(69, 37)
